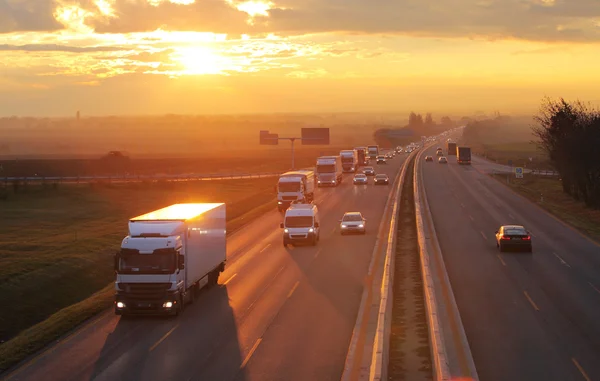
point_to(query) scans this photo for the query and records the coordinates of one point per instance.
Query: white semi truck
(168, 256)
(349, 160)
(295, 186)
(373, 151)
(329, 170)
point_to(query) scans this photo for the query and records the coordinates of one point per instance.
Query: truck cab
(301, 224)
(294, 186)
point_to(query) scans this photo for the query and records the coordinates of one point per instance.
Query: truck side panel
(205, 245)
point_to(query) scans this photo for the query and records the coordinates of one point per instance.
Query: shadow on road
(200, 344)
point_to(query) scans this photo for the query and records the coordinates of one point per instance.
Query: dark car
(428, 158)
(381, 160)
(369, 171)
(513, 237)
(382, 179)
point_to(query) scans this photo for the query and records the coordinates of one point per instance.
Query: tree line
(392, 136)
(569, 132)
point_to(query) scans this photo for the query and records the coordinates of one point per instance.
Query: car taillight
(528, 238)
(505, 237)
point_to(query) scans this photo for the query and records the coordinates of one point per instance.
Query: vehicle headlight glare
(120, 305)
(168, 304)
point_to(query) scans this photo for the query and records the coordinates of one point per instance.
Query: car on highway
(382, 179)
(443, 160)
(369, 171)
(360, 179)
(353, 222)
(429, 158)
(439, 153)
(513, 237)
(301, 225)
(381, 159)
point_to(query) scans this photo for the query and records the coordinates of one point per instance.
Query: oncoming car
(443, 160)
(513, 237)
(353, 222)
(382, 179)
(369, 171)
(428, 158)
(381, 159)
(360, 179)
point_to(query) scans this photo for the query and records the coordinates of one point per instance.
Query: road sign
(519, 172)
(315, 136)
(266, 138)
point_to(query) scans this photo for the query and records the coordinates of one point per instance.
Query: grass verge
(547, 193)
(519, 153)
(38, 272)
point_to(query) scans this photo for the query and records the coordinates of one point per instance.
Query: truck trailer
(451, 149)
(168, 256)
(363, 156)
(295, 186)
(349, 160)
(329, 170)
(463, 155)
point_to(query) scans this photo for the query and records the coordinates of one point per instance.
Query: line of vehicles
(463, 154)
(170, 254)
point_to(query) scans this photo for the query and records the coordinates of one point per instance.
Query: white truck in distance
(349, 160)
(329, 170)
(168, 256)
(295, 185)
(373, 151)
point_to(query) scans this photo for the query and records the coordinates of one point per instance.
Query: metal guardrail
(137, 178)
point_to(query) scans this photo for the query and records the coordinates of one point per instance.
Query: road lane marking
(471, 218)
(265, 248)
(501, 260)
(334, 229)
(483, 235)
(561, 260)
(230, 279)
(580, 369)
(163, 338)
(594, 287)
(511, 216)
(293, 289)
(317, 253)
(535, 307)
(251, 353)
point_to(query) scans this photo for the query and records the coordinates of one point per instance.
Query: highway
(526, 316)
(278, 314)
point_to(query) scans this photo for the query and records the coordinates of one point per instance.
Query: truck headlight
(279, 202)
(333, 181)
(311, 230)
(361, 226)
(168, 304)
(286, 230)
(120, 305)
(344, 226)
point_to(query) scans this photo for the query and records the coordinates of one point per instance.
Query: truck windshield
(156, 263)
(299, 222)
(348, 159)
(326, 168)
(289, 187)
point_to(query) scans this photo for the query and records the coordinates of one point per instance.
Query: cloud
(60, 48)
(28, 15)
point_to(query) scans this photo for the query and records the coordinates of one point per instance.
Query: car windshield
(352, 217)
(299, 222)
(360, 177)
(513, 231)
(381, 177)
(368, 168)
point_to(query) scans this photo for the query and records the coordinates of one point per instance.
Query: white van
(301, 224)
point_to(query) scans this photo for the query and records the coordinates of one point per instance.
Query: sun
(199, 61)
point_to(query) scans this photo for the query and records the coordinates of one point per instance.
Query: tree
(446, 121)
(429, 120)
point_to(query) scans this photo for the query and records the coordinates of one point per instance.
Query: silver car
(353, 222)
(360, 179)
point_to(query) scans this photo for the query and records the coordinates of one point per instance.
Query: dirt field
(57, 244)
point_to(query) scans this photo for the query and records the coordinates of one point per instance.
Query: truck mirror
(116, 261)
(281, 225)
(316, 224)
(181, 261)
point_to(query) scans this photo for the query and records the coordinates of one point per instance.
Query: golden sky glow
(186, 56)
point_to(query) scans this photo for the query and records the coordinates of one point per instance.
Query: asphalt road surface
(279, 313)
(526, 316)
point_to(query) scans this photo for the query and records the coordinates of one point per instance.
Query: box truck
(349, 160)
(168, 256)
(451, 149)
(363, 157)
(329, 170)
(463, 155)
(373, 151)
(295, 186)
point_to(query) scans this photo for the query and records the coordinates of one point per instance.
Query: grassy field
(57, 244)
(558, 203)
(518, 152)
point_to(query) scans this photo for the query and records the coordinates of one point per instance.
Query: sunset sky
(229, 56)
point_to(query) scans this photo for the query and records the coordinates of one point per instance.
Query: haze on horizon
(229, 56)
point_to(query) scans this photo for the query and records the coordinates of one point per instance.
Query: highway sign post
(309, 136)
(519, 172)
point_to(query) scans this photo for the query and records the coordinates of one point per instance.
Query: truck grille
(145, 291)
